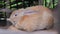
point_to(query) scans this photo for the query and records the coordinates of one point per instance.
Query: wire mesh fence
(7, 5)
(16, 4)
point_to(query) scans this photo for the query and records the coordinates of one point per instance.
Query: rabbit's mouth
(13, 22)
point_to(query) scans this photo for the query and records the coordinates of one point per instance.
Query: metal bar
(17, 4)
(23, 4)
(10, 3)
(4, 4)
(53, 3)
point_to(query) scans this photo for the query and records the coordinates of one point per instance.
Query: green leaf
(20, 3)
(12, 0)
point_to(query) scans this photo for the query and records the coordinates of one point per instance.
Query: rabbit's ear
(33, 8)
(38, 8)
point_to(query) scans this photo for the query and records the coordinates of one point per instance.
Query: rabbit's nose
(8, 19)
(13, 22)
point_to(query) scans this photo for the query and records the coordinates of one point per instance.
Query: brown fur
(44, 16)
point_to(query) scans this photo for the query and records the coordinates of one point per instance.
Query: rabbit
(31, 19)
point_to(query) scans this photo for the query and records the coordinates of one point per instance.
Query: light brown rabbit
(32, 18)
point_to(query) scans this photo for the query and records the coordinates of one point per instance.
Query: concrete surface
(5, 31)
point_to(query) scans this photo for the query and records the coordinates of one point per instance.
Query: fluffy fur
(39, 18)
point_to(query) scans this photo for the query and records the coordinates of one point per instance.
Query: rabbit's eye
(15, 14)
